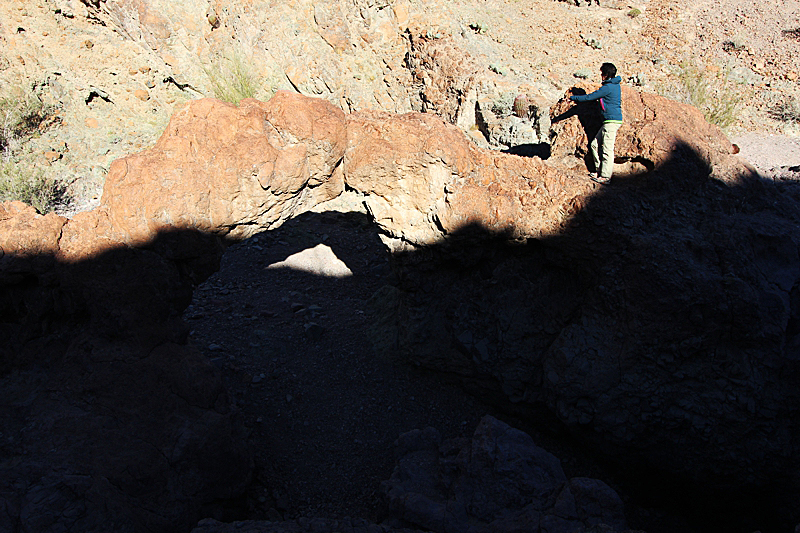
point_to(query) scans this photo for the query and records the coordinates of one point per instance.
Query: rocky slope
(516, 276)
(115, 70)
(598, 304)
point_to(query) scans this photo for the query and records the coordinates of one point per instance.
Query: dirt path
(768, 151)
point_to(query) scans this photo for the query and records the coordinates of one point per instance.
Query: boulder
(423, 179)
(113, 422)
(229, 170)
(497, 481)
(655, 131)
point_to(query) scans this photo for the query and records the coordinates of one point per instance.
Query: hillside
(111, 72)
(362, 300)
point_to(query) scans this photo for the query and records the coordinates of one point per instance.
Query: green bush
(22, 113)
(713, 94)
(30, 186)
(633, 13)
(232, 79)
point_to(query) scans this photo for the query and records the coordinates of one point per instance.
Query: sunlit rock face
(656, 318)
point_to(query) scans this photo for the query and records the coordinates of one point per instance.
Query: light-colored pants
(604, 164)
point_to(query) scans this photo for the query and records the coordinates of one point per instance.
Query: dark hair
(608, 70)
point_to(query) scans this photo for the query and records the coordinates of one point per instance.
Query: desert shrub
(22, 114)
(479, 27)
(737, 44)
(583, 73)
(503, 105)
(29, 185)
(715, 95)
(232, 79)
(498, 69)
(633, 13)
(792, 34)
(786, 110)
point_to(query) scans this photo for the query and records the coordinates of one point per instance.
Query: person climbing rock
(602, 146)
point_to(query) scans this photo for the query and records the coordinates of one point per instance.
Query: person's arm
(599, 93)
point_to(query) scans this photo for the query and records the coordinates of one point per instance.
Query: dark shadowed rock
(499, 481)
(656, 318)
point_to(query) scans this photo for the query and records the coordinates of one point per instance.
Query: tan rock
(142, 95)
(91, 122)
(25, 233)
(424, 179)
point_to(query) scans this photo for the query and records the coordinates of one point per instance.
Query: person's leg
(594, 151)
(608, 135)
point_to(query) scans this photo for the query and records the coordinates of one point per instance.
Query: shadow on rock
(110, 422)
(660, 327)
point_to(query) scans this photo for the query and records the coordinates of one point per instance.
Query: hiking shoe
(600, 179)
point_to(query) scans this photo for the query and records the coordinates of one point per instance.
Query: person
(602, 146)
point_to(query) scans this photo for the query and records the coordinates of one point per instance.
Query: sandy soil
(768, 151)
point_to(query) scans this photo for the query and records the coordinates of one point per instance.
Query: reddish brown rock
(26, 233)
(635, 261)
(229, 170)
(424, 179)
(654, 131)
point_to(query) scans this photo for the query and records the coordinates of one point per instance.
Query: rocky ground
(297, 348)
(324, 407)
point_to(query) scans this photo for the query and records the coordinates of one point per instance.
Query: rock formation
(656, 318)
(109, 420)
(499, 481)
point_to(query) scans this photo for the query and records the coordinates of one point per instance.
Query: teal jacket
(610, 98)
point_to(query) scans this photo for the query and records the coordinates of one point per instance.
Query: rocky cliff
(655, 318)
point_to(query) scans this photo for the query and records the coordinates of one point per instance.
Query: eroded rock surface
(657, 318)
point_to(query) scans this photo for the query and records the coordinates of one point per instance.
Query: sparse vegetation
(633, 13)
(638, 80)
(498, 69)
(714, 94)
(792, 34)
(29, 185)
(232, 79)
(592, 41)
(479, 27)
(23, 114)
(583, 73)
(787, 110)
(503, 105)
(734, 45)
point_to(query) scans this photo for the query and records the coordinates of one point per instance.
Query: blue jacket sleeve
(603, 91)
